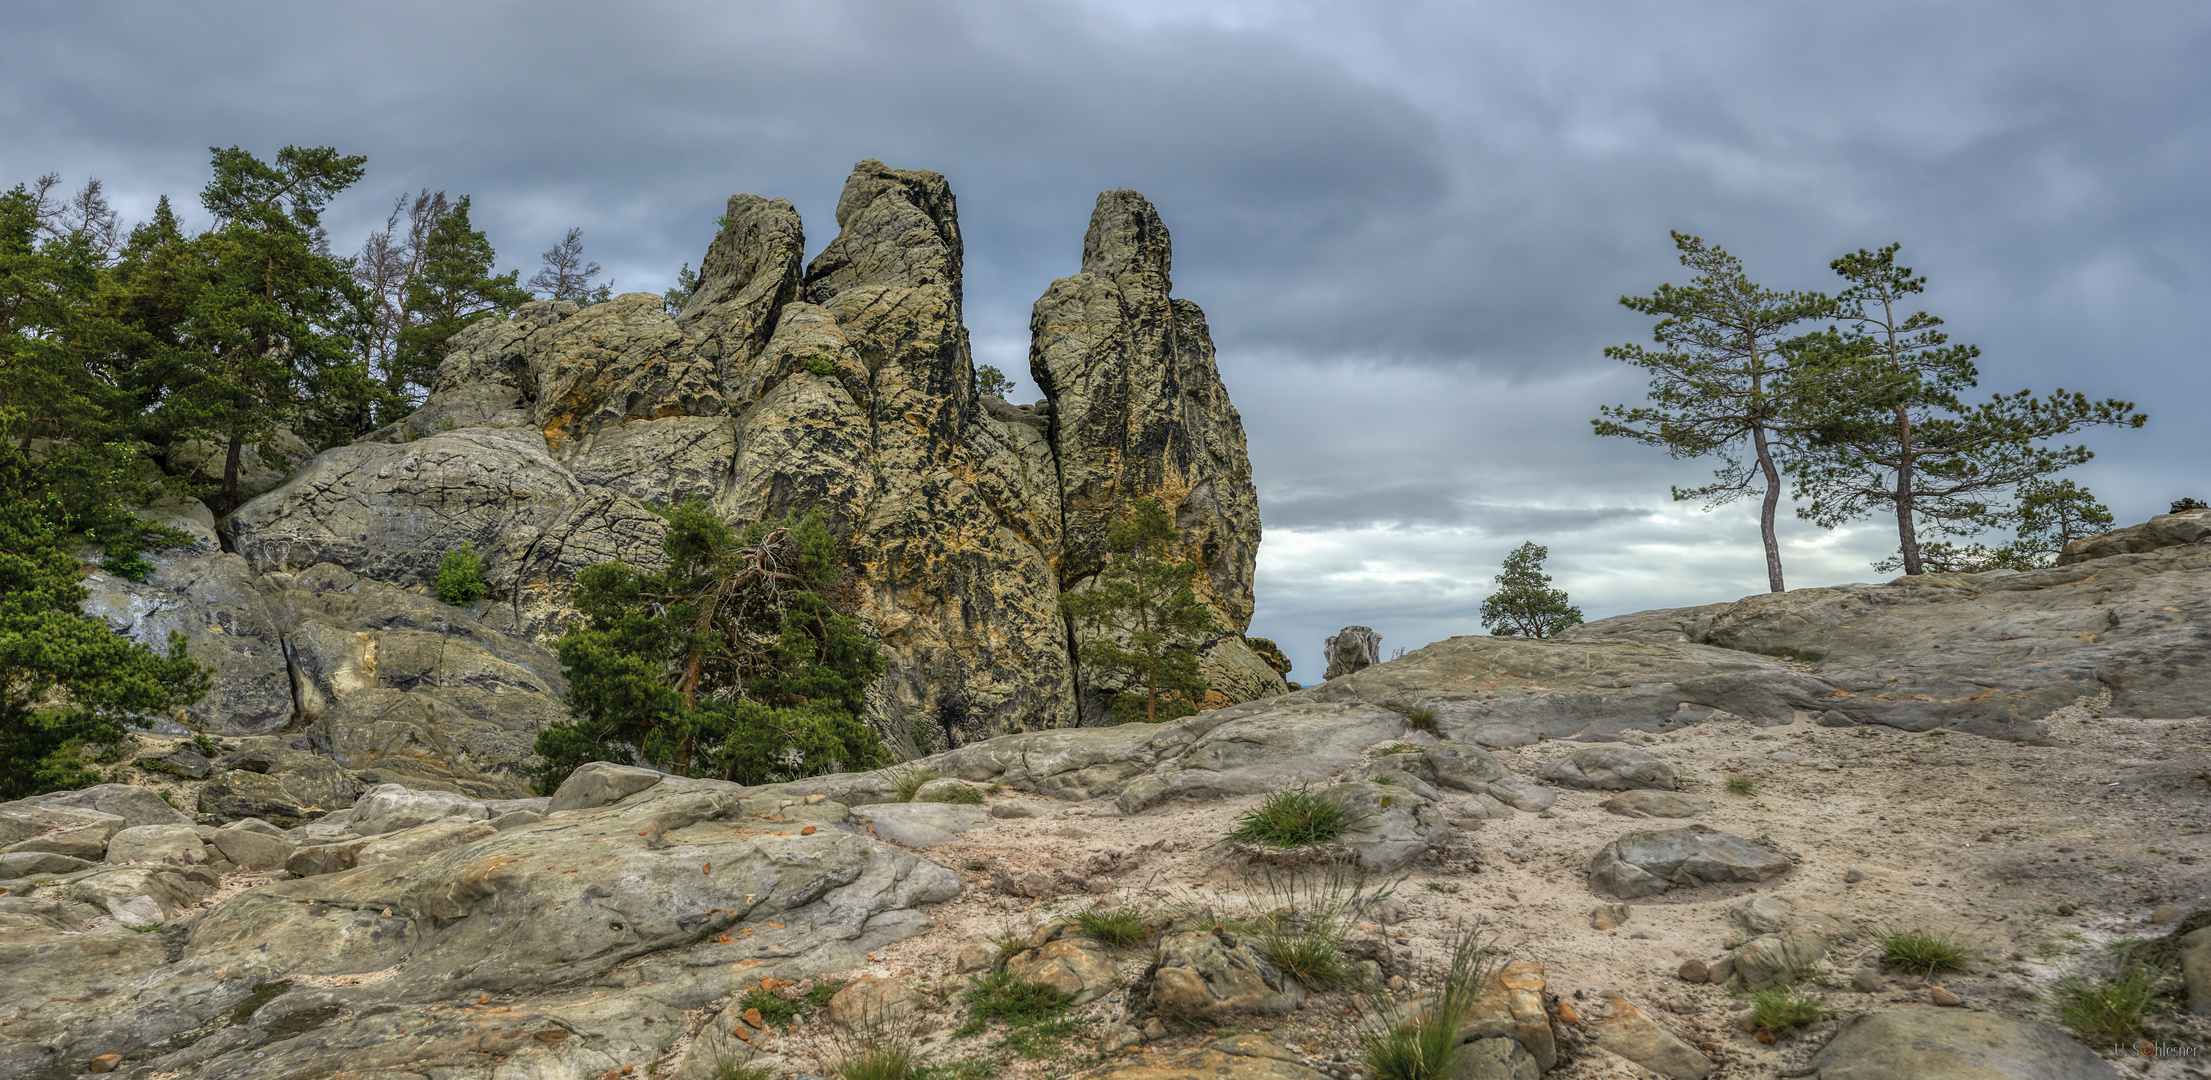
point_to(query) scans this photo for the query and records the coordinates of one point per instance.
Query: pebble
(1608, 916)
(2067, 908)
(2163, 913)
(105, 1063)
(1867, 981)
(1855, 876)
(1944, 998)
(1694, 971)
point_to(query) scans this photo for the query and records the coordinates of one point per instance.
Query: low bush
(1741, 784)
(1780, 1008)
(2109, 1010)
(460, 576)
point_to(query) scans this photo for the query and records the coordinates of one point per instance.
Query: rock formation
(845, 384)
(1354, 648)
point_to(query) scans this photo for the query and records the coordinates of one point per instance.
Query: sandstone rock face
(1354, 648)
(1201, 975)
(846, 384)
(1648, 863)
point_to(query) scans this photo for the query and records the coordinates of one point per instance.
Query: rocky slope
(845, 383)
(1644, 824)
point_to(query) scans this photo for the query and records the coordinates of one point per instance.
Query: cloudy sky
(1409, 223)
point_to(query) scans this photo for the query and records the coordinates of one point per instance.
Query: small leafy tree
(1524, 603)
(679, 297)
(460, 576)
(1146, 618)
(1722, 376)
(739, 661)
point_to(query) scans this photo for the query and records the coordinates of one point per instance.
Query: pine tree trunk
(228, 498)
(1907, 536)
(1765, 512)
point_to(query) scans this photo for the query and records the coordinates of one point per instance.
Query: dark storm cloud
(1408, 222)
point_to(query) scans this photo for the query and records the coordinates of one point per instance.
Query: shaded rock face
(845, 384)
(1354, 648)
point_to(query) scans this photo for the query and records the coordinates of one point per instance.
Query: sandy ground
(1982, 839)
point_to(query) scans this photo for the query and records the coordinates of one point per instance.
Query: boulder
(2195, 969)
(213, 600)
(391, 807)
(870, 1004)
(135, 805)
(1071, 965)
(1207, 976)
(1492, 1059)
(1354, 648)
(254, 850)
(1511, 1007)
(1948, 1044)
(1238, 1057)
(1763, 914)
(1392, 824)
(143, 895)
(2185, 526)
(23, 864)
(29, 825)
(1775, 959)
(921, 825)
(601, 783)
(157, 843)
(1648, 863)
(1665, 804)
(1612, 768)
(1619, 1026)
(410, 844)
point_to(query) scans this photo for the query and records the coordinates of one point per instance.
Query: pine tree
(1891, 431)
(679, 297)
(738, 661)
(566, 274)
(1146, 619)
(453, 288)
(66, 680)
(1723, 377)
(1524, 603)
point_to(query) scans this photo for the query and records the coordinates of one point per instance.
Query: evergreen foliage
(460, 576)
(687, 282)
(740, 660)
(992, 382)
(453, 288)
(66, 680)
(1146, 619)
(1524, 603)
(1891, 431)
(1724, 375)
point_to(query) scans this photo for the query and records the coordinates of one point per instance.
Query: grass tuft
(1420, 718)
(1742, 784)
(774, 1008)
(881, 1061)
(1291, 819)
(1922, 952)
(1397, 748)
(730, 1070)
(1301, 921)
(819, 996)
(1420, 1048)
(908, 780)
(1000, 995)
(963, 795)
(1120, 929)
(1779, 1008)
(2109, 1010)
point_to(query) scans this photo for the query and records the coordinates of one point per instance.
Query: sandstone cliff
(845, 383)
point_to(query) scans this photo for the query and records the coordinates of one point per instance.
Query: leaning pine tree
(738, 661)
(1524, 604)
(1146, 618)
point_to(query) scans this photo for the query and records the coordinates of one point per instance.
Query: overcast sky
(1409, 223)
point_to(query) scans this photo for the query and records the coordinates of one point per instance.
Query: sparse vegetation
(1440, 886)
(1301, 920)
(1420, 718)
(1292, 819)
(775, 1008)
(1420, 1048)
(1741, 784)
(881, 1060)
(1922, 952)
(2050, 950)
(1780, 1008)
(730, 1070)
(1397, 748)
(2109, 1010)
(819, 996)
(962, 795)
(1119, 928)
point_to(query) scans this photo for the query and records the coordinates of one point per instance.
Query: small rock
(813, 799)
(1854, 876)
(105, 1063)
(2067, 908)
(1694, 971)
(2164, 913)
(1012, 808)
(1153, 1029)
(1944, 998)
(1608, 916)
(1867, 981)
(977, 954)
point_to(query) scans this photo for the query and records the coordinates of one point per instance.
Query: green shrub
(2109, 1010)
(822, 365)
(1001, 995)
(819, 996)
(1290, 819)
(1779, 1008)
(1742, 784)
(1922, 952)
(1420, 1048)
(460, 576)
(1121, 928)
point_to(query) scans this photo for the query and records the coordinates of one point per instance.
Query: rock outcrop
(845, 384)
